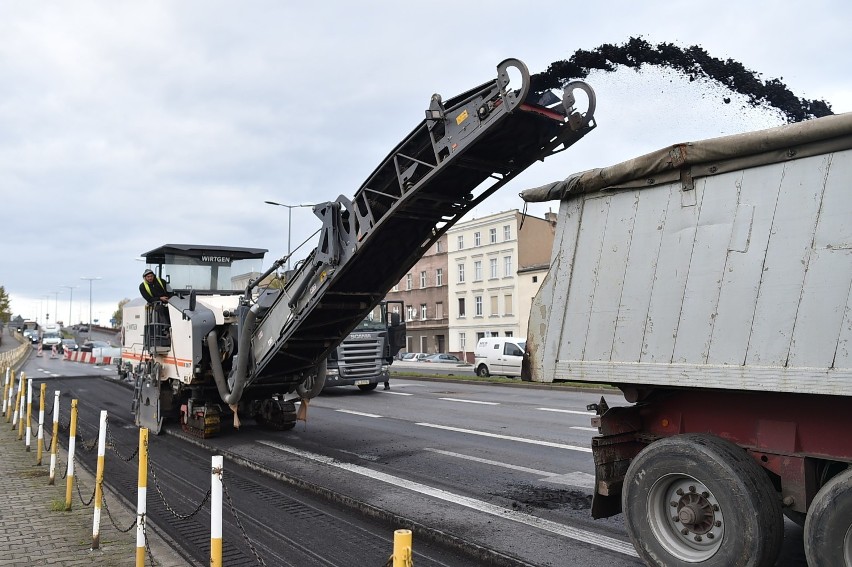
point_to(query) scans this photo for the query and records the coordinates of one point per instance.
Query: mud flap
(148, 407)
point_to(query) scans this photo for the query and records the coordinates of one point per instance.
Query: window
(507, 304)
(408, 282)
(494, 306)
(409, 312)
(477, 306)
(462, 342)
(461, 241)
(438, 247)
(424, 344)
(395, 288)
(461, 306)
(492, 235)
(423, 311)
(479, 336)
(439, 310)
(439, 277)
(492, 264)
(507, 232)
(422, 279)
(477, 271)
(461, 273)
(535, 279)
(507, 266)
(477, 241)
(510, 334)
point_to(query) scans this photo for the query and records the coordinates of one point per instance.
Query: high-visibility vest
(148, 287)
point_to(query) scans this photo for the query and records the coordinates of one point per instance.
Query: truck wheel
(828, 527)
(482, 371)
(367, 387)
(700, 500)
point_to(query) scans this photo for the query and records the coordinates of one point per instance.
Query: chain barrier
(240, 524)
(112, 520)
(112, 446)
(80, 493)
(174, 512)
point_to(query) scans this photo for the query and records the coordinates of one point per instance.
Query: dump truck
(225, 345)
(710, 283)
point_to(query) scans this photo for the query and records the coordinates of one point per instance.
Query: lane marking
(508, 437)
(594, 429)
(489, 462)
(353, 412)
(470, 401)
(567, 411)
(570, 532)
(396, 393)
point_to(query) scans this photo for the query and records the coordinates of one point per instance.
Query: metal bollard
(216, 511)
(99, 482)
(29, 425)
(17, 409)
(72, 444)
(22, 406)
(402, 548)
(6, 388)
(142, 496)
(40, 435)
(53, 441)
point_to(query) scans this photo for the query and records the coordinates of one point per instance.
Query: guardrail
(13, 358)
(17, 408)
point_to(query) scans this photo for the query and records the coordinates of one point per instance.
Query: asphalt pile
(694, 63)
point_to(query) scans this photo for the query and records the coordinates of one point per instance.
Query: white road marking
(527, 519)
(595, 429)
(568, 411)
(397, 393)
(576, 478)
(509, 437)
(358, 413)
(470, 401)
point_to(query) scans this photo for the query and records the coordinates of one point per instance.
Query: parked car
(69, 345)
(414, 356)
(442, 357)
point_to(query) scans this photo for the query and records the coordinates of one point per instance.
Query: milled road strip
(508, 437)
(570, 532)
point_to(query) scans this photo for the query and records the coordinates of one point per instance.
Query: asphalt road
(490, 467)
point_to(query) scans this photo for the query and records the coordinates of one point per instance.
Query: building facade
(496, 265)
(424, 291)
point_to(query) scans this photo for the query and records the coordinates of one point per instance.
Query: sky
(128, 125)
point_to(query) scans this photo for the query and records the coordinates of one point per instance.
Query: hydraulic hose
(233, 396)
(317, 386)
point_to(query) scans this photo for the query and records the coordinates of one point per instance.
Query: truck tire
(700, 500)
(367, 387)
(482, 371)
(828, 527)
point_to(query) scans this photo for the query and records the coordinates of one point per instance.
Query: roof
(157, 255)
(707, 157)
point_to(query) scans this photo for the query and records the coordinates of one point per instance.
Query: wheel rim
(685, 517)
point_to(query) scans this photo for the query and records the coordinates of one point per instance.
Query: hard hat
(146, 272)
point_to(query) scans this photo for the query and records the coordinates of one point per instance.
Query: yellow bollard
(402, 548)
(53, 440)
(72, 444)
(10, 379)
(40, 435)
(23, 406)
(142, 498)
(29, 427)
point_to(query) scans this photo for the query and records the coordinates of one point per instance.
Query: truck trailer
(710, 282)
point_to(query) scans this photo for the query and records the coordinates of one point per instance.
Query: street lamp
(289, 222)
(90, 302)
(55, 306)
(70, 289)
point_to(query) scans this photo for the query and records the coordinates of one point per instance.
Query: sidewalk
(35, 529)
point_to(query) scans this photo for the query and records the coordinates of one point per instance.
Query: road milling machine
(224, 345)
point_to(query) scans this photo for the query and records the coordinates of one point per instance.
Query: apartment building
(424, 291)
(496, 265)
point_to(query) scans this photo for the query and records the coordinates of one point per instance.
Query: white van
(499, 355)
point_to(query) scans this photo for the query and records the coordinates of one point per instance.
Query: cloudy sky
(127, 125)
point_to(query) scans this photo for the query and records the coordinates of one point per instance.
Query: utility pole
(90, 301)
(70, 289)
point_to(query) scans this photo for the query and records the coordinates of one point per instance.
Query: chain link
(167, 505)
(239, 523)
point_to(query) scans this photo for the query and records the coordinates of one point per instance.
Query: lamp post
(55, 306)
(289, 222)
(45, 300)
(70, 289)
(90, 302)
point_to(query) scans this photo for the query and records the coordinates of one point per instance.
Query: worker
(157, 293)
(153, 288)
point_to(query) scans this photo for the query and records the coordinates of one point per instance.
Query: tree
(5, 312)
(117, 315)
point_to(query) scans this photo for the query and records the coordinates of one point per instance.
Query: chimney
(550, 217)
